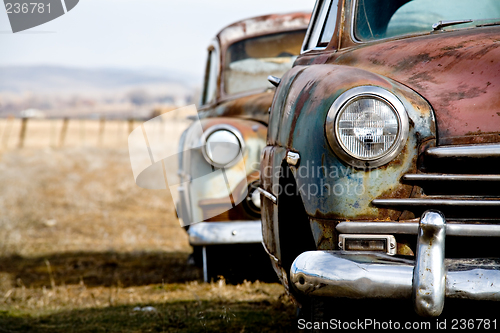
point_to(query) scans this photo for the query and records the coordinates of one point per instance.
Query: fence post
(81, 123)
(7, 130)
(102, 122)
(130, 125)
(64, 129)
(22, 134)
(53, 134)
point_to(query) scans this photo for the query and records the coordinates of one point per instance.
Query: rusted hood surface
(254, 107)
(457, 72)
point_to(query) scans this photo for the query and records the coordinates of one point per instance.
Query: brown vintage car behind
(218, 202)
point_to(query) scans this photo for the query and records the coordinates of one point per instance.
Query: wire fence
(40, 133)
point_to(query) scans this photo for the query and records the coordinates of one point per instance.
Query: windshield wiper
(442, 24)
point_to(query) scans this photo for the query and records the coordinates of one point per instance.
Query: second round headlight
(223, 145)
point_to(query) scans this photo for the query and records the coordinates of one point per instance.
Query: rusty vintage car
(380, 178)
(219, 166)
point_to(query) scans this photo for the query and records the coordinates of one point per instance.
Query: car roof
(262, 25)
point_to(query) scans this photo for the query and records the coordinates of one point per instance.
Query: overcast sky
(169, 34)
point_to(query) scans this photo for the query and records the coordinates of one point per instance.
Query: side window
(322, 25)
(211, 73)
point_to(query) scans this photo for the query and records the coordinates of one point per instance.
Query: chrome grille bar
(450, 177)
(411, 228)
(423, 202)
(469, 151)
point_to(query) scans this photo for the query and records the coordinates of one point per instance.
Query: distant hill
(79, 92)
(64, 79)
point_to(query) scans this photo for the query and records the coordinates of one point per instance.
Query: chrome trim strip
(352, 23)
(469, 151)
(230, 232)
(292, 158)
(267, 195)
(411, 228)
(429, 283)
(312, 23)
(475, 230)
(436, 202)
(272, 256)
(450, 177)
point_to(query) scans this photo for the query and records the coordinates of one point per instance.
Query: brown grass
(81, 246)
(81, 199)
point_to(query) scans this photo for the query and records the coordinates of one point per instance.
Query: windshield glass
(249, 62)
(377, 19)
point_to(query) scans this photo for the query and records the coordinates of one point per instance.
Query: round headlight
(367, 126)
(223, 144)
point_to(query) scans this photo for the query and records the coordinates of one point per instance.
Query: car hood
(255, 107)
(458, 72)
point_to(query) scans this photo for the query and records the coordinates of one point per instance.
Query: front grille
(461, 181)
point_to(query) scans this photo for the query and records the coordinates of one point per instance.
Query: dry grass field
(83, 249)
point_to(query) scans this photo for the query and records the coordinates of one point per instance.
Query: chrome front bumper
(427, 280)
(219, 233)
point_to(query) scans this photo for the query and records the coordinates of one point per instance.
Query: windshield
(377, 19)
(249, 62)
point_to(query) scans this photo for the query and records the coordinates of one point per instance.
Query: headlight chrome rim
(221, 127)
(353, 95)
